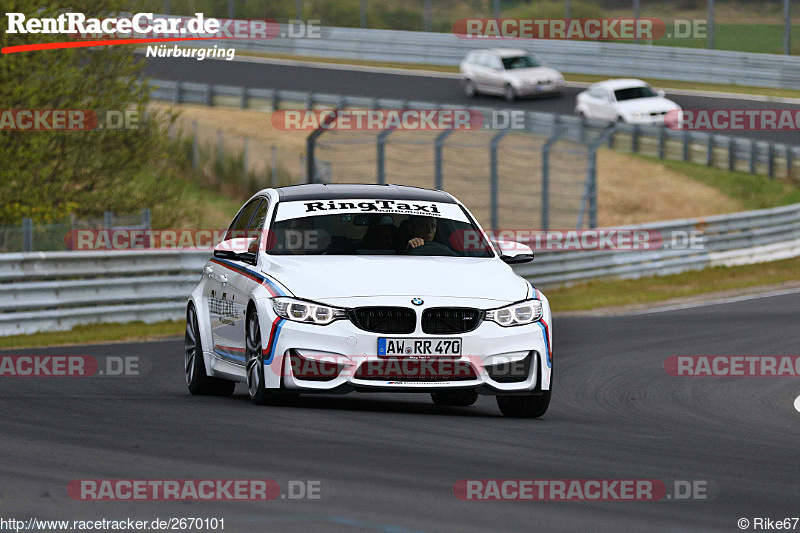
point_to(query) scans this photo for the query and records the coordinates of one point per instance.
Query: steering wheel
(432, 248)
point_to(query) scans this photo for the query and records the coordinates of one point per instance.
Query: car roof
(322, 191)
(619, 84)
(504, 52)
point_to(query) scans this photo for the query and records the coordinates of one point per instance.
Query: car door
(598, 105)
(224, 291)
(495, 75)
(479, 71)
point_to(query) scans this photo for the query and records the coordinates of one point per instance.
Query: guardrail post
(178, 96)
(209, 96)
(753, 156)
(27, 235)
(495, 177)
(685, 145)
(195, 147)
(146, 218)
(771, 161)
(438, 146)
(380, 177)
(789, 157)
(276, 99)
(635, 139)
(546, 175)
(220, 146)
(108, 220)
(731, 155)
(710, 150)
(245, 159)
(273, 175)
(243, 100)
(309, 101)
(661, 144)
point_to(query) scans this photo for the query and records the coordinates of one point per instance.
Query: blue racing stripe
(546, 344)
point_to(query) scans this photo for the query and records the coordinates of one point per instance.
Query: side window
(600, 94)
(256, 226)
(495, 63)
(241, 222)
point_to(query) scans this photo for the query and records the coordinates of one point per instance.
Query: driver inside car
(421, 231)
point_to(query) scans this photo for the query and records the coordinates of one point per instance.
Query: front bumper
(646, 120)
(341, 357)
(539, 88)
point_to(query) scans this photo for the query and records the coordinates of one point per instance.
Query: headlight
(308, 312)
(638, 115)
(516, 314)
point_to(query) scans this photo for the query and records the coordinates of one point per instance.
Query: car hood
(655, 104)
(533, 74)
(321, 277)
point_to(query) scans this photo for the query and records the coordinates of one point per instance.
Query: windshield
(375, 227)
(511, 63)
(631, 93)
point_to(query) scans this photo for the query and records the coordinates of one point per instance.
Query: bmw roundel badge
(417, 301)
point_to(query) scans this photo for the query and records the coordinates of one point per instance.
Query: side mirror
(236, 250)
(660, 92)
(513, 253)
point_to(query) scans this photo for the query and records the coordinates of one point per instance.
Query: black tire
(455, 398)
(194, 366)
(528, 406)
(508, 93)
(255, 362)
(524, 406)
(469, 88)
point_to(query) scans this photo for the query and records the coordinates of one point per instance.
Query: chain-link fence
(510, 179)
(32, 236)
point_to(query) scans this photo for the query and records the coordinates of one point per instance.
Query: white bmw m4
(338, 288)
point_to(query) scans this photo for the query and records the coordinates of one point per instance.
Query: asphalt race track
(402, 86)
(388, 462)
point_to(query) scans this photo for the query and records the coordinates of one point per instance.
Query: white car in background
(507, 72)
(627, 100)
(337, 288)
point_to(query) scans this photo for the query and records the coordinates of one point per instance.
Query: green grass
(600, 293)
(96, 333)
(758, 38)
(753, 192)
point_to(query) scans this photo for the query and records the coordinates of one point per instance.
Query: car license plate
(388, 346)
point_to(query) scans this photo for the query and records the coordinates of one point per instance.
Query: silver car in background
(625, 100)
(508, 72)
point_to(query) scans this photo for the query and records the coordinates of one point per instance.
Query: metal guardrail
(579, 57)
(46, 291)
(721, 151)
(739, 238)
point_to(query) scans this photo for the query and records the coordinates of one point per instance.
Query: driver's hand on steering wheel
(416, 242)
